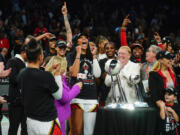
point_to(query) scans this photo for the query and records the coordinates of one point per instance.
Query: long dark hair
(88, 54)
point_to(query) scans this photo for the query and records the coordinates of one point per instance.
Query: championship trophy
(113, 68)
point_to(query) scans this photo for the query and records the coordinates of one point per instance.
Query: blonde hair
(157, 66)
(126, 48)
(56, 60)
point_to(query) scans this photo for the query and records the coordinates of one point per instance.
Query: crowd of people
(54, 56)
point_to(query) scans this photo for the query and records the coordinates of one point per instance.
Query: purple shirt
(63, 105)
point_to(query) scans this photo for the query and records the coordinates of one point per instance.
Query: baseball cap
(53, 38)
(134, 45)
(171, 91)
(61, 44)
(78, 36)
(163, 54)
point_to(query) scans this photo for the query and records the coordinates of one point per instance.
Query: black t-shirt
(37, 87)
(169, 124)
(16, 66)
(86, 76)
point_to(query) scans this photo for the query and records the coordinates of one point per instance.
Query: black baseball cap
(61, 44)
(164, 54)
(53, 38)
(171, 91)
(75, 39)
(134, 45)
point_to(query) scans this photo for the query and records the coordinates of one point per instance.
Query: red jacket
(123, 37)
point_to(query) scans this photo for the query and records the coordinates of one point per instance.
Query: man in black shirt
(39, 89)
(15, 107)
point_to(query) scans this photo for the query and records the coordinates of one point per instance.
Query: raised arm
(123, 38)
(158, 40)
(74, 69)
(96, 67)
(67, 26)
(42, 36)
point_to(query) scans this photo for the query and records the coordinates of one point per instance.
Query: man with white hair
(147, 66)
(129, 76)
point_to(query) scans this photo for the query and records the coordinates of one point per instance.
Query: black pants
(16, 117)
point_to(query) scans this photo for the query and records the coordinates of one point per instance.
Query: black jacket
(157, 86)
(16, 65)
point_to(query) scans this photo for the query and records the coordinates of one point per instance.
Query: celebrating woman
(63, 105)
(84, 66)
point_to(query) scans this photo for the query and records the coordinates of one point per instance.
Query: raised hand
(80, 84)
(157, 37)
(94, 51)
(56, 68)
(126, 21)
(161, 104)
(64, 9)
(78, 49)
(48, 35)
(169, 111)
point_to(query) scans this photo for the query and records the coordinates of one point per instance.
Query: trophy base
(120, 106)
(141, 104)
(127, 105)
